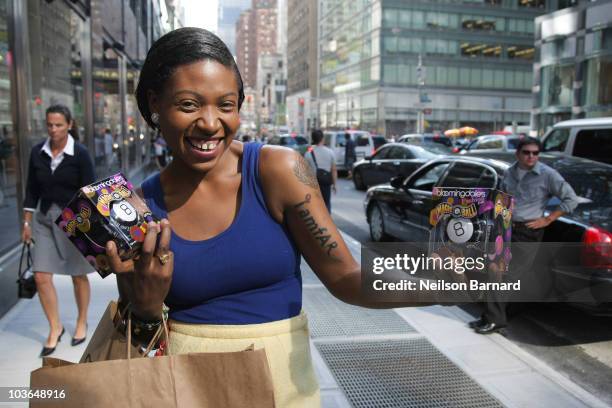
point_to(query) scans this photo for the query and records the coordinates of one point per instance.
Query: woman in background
(58, 167)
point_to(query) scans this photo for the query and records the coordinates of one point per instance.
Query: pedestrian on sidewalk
(160, 151)
(242, 216)
(532, 184)
(58, 167)
(350, 156)
(321, 157)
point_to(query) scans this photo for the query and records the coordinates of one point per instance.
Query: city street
(479, 131)
(574, 343)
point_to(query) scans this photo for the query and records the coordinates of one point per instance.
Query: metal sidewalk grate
(401, 373)
(330, 317)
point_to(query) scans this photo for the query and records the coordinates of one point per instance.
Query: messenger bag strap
(314, 158)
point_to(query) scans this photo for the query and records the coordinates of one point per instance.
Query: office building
(574, 68)
(228, 15)
(477, 63)
(255, 36)
(301, 65)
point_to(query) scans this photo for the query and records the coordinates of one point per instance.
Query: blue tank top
(249, 273)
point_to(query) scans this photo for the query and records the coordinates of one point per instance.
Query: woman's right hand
(148, 278)
(26, 233)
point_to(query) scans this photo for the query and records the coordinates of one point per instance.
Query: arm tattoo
(321, 235)
(304, 173)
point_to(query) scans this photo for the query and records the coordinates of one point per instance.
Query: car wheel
(377, 225)
(358, 181)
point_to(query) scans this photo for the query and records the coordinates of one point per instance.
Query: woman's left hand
(147, 279)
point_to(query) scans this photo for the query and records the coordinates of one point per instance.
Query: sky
(201, 13)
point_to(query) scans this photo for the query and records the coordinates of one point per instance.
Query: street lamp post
(421, 74)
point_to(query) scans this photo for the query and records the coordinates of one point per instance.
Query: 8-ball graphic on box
(103, 211)
(473, 222)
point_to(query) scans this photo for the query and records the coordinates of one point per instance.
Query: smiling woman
(235, 220)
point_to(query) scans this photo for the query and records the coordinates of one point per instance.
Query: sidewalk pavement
(402, 357)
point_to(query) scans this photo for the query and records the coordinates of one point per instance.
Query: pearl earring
(155, 118)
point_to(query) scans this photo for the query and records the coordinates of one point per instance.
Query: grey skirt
(53, 252)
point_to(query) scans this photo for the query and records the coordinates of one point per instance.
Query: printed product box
(106, 210)
(475, 223)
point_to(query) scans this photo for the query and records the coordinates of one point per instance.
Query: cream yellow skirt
(287, 348)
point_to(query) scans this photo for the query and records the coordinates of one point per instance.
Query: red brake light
(597, 250)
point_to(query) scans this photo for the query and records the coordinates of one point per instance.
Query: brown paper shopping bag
(107, 342)
(236, 379)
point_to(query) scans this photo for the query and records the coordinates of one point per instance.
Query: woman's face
(57, 127)
(198, 112)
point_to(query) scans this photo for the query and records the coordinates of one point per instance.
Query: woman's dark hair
(61, 109)
(179, 47)
(316, 136)
(74, 131)
(527, 141)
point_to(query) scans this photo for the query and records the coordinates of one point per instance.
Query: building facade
(301, 65)
(227, 17)
(574, 70)
(85, 54)
(246, 56)
(255, 36)
(271, 92)
(476, 69)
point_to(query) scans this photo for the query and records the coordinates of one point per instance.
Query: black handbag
(324, 177)
(25, 283)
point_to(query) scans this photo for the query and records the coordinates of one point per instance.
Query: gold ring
(163, 259)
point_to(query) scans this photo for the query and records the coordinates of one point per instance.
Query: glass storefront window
(598, 84)
(11, 226)
(55, 64)
(107, 114)
(556, 85)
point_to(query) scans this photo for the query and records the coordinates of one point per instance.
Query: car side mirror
(368, 158)
(397, 182)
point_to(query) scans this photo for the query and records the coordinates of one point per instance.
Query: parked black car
(401, 208)
(391, 159)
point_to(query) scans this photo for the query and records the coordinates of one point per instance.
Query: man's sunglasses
(530, 153)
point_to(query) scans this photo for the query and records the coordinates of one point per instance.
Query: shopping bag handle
(163, 328)
(29, 262)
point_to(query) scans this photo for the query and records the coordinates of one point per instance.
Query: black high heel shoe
(49, 350)
(76, 342)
